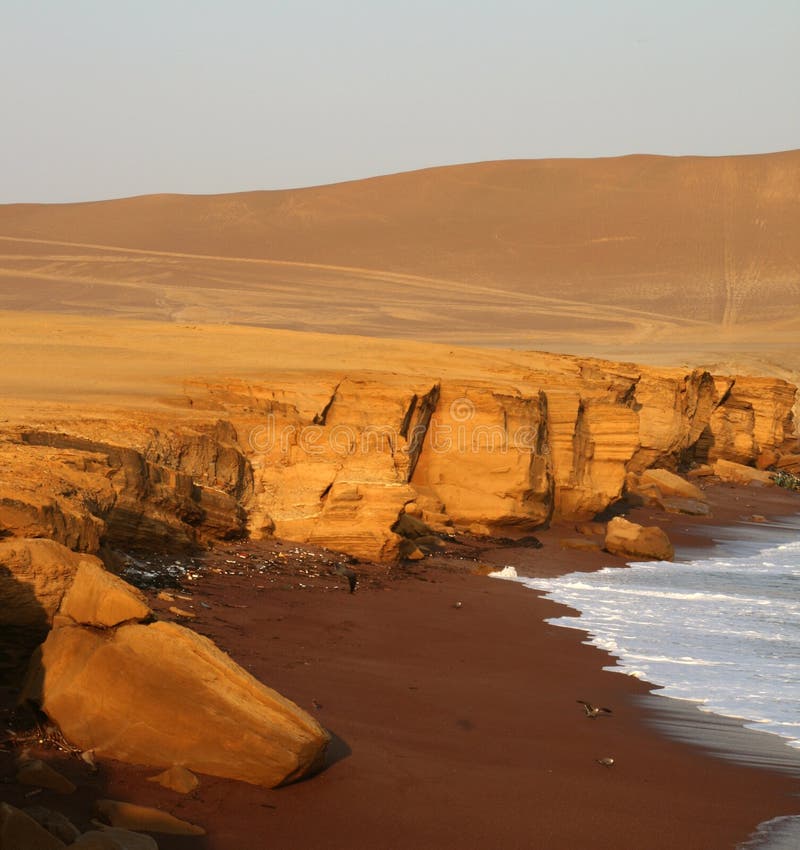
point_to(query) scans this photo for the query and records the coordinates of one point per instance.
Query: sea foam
(722, 632)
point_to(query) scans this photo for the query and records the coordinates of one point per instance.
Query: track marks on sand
(289, 293)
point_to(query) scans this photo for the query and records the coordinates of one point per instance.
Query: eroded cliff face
(105, 484)
(335, 459)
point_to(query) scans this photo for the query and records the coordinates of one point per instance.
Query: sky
(110, 98)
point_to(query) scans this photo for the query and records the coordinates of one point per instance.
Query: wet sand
(453, 726)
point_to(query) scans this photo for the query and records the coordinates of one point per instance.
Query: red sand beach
(454, 726)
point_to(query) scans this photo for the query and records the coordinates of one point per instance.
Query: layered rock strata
(335, 459)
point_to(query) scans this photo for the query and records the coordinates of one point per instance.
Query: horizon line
(390, 174)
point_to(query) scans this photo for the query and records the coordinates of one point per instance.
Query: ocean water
(722, 631)
(720, 635)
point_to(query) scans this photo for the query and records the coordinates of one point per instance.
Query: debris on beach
(509, 573)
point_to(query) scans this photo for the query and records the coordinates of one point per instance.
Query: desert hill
(588, 256)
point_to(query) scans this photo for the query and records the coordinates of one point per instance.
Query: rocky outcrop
(167, 490)
(159, 694)
(334, 460)
(753, 417)
(560, 440)
(211, 455)
(60, 495)
(336, 472)
(604, 441)
(673, 410)
(630, 540)
(486, 459)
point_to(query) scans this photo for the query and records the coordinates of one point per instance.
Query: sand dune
(658, 258)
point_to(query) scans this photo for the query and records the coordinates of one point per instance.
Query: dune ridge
(663, 258)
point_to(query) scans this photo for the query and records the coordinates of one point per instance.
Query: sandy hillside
(653, 258)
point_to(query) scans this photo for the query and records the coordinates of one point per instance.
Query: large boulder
(630, 540)
(34, 577)
(98, 598)
(161, 694)
(669, 484)
(737, 473)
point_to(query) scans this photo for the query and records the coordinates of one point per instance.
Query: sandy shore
(453, 726)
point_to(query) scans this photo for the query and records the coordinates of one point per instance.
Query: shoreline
(452, 726)
(721, 735)
(726, 737)
(729, 536)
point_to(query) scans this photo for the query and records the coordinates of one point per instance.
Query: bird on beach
(593, 711)
(606, 762)
(352, 578)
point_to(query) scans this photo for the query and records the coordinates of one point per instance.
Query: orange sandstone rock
(670, 484)
(176, 778)
(161, 694)
(630, 540)
(123, 815)
(98, 598)
(34, 577)
(496, 445)
(738, 473)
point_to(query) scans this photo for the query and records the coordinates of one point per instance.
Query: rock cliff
(374, 463)
(556, 440)
(335, 459)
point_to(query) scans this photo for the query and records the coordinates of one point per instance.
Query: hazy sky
(105, 98)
